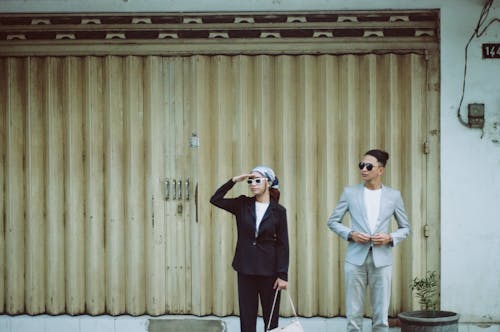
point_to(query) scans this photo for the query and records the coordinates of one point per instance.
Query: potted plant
(429, 319)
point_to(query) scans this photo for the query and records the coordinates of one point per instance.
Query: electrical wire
(478, 32)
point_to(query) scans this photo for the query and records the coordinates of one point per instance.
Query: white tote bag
(294, 326)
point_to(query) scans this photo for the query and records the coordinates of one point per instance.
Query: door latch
(427, 230)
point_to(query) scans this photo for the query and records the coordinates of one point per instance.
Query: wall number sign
(491, 51)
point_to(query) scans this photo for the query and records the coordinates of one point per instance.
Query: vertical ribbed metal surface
(91, 144)
(94, 138)
(3, 192)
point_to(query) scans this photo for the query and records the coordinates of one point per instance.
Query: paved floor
(46, 323)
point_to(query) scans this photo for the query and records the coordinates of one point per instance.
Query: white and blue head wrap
(268, 173)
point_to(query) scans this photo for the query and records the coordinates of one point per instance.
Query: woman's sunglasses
(368, 166)
(255, 181)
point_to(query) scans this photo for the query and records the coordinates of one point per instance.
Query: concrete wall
(470, 200)
(470, 173)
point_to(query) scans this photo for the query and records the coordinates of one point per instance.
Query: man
(368, 260)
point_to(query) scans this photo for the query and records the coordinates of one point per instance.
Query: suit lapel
(251, 208)
(251, 212)
(382, 208)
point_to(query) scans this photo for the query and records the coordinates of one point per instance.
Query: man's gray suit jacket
(352, 201)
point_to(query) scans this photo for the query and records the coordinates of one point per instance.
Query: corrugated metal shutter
(90, 146)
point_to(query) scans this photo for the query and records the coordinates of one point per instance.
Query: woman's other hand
(280, 284)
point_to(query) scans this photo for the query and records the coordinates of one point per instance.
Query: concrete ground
(46, 323)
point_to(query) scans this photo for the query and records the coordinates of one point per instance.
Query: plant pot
(429, 321)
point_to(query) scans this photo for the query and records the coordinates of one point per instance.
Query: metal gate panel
(92, 146)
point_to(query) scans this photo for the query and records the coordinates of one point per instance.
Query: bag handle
(274, 303)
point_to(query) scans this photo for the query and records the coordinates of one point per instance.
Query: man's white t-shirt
(372, 203)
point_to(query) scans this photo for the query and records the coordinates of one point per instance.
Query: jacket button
(254, 243)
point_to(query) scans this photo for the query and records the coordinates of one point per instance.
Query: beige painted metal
(277, 46)
(3, 138)
(105, 189)
(93, 131)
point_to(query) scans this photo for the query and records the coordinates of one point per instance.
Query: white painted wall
(470, 173)
(470, 196)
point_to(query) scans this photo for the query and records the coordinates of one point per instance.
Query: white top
(372, 203)
(260, 210)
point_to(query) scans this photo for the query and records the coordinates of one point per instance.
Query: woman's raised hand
(239, 178)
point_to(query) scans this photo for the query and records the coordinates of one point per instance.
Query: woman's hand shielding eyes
(242, 177)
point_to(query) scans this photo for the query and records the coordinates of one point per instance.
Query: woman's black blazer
(265, 253)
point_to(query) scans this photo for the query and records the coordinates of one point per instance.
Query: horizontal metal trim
(222, 26)
(222, 46)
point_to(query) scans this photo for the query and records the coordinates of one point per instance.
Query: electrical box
(476, 115)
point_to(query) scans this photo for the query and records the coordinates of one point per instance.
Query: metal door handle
(196, 202)
(180, 190)
(175, 189)
(167, 189)
(187, 189)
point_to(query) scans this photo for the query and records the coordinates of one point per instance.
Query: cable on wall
(479, 30)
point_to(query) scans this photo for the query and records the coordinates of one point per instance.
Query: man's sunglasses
(255, 181)
(368, 166)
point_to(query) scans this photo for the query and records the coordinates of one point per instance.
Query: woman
(261, 256)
